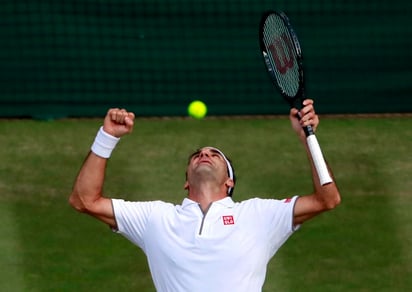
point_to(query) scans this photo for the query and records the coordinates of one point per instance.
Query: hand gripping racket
(283, 58)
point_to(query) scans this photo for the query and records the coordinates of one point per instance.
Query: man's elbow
(333, 201)
(76, 203)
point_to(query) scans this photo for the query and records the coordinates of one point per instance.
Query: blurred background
(77, 58)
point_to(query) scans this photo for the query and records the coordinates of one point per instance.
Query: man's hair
(230, 192)
(230, 169)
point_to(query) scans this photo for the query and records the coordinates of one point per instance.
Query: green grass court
(363, 245)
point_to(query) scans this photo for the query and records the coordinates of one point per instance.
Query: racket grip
(318, 160)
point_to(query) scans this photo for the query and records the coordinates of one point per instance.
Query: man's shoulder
(259, 201)
(158, 204)
(256, 200)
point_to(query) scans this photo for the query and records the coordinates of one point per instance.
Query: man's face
(207, 163)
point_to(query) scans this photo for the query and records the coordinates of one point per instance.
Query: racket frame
(297, 99)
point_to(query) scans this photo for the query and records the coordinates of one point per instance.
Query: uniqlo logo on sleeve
(288, 200)
(228, 220)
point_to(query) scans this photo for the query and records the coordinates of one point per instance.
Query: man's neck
(205, 199)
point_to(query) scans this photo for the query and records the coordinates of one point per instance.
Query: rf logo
(281, 50)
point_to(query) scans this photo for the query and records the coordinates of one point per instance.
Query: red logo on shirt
(288, 200)
(228, 220)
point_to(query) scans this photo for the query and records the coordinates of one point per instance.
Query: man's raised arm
(87, 194)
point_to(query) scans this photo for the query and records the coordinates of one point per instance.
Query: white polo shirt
(226, 249)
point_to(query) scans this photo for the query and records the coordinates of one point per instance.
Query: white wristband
(104, 144)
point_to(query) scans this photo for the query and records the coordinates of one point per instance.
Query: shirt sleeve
(132, 218)
(277, 218)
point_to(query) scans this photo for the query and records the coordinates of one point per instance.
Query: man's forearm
(88, 186)
(327, 193)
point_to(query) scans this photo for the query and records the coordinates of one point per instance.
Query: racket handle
(318, 160)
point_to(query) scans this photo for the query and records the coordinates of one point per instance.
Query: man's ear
(186, 186)
(230, 183)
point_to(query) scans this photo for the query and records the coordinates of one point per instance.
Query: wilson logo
(228, 220)
(282, 52)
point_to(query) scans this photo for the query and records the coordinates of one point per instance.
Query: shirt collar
(226, 202)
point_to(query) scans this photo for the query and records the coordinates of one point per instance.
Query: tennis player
(210, 242)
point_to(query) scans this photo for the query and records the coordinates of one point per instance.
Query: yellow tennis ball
(197, 109)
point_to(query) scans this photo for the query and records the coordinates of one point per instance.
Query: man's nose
(204, 153)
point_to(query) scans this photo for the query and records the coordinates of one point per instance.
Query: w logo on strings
(282, 52)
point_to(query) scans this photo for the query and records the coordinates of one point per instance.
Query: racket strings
(282, 55)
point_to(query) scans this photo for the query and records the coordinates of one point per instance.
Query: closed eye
(194, 155)
(216, 153)
(213, 153)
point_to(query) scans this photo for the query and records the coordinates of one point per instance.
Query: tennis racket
(282, 55)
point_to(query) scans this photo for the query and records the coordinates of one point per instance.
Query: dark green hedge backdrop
(79, 57)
